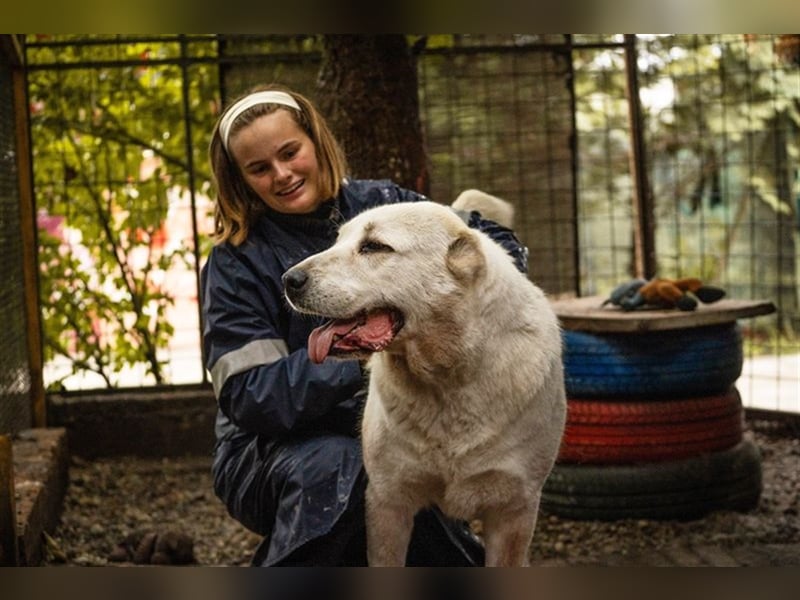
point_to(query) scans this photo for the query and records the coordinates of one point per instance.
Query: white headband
(267, 97)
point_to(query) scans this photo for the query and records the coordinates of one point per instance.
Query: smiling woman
(271, 148)
(283, 171)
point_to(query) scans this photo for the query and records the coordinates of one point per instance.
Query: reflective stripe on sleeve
(252, 354)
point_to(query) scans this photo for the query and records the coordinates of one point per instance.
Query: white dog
(466, 403)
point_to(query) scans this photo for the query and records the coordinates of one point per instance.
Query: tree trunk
(368, 92)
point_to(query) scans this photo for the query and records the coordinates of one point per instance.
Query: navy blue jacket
(267, 388)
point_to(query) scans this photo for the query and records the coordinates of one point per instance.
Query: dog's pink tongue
(320, 341)
(372, 333)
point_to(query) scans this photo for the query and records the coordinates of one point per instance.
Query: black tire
(660, 364)
(685, 489)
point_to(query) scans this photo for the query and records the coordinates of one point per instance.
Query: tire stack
(654, 427)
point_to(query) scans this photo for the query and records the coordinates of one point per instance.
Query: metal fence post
(644, 227)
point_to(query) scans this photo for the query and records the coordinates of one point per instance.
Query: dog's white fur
(466, 405)
(490, 207)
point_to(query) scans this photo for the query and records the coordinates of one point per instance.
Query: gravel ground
(137, 503)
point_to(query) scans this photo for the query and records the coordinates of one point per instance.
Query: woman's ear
(465, 258)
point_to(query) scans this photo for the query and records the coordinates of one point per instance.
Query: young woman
(287, 458)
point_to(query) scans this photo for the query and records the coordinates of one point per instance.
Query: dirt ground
(129, 504)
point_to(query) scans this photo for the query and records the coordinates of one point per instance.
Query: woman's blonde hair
(238, 206)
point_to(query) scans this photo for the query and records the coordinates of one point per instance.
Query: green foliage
(110, 151)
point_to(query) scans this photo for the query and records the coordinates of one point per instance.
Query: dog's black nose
(294, 279)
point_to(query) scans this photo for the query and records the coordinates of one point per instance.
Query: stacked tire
(654, 427)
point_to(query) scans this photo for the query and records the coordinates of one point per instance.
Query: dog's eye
(372, 246)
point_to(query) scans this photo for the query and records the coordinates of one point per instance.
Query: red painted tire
(600, 432)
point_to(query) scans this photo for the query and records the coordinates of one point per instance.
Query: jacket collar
(323, 222)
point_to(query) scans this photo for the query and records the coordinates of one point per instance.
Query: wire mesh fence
(541, 120)
(498, 116)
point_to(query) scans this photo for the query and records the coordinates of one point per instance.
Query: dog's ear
(465, 258)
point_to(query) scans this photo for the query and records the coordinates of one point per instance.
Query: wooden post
(8, 512)
(27, 213)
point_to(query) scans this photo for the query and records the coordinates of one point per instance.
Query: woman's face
(279, 162)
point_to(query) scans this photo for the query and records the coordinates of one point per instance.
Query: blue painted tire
(658, 364)
(683, 489)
